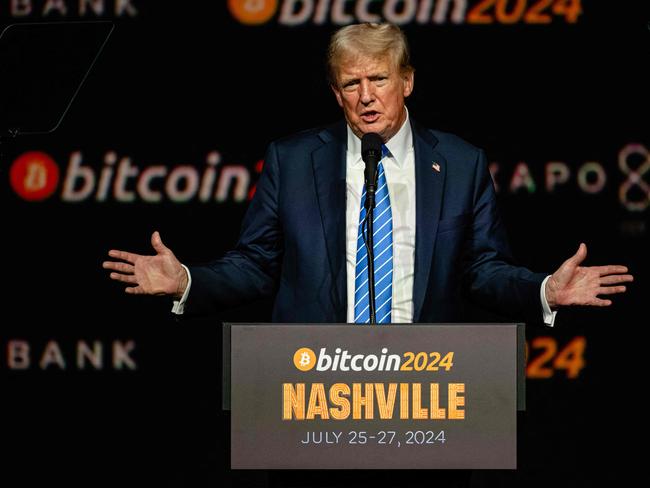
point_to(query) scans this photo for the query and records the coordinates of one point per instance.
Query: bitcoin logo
(304, 359)
(34, 176)
(252, 12)
(634, 193)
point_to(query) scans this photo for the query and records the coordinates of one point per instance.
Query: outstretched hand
(573, 284)
(161, 274)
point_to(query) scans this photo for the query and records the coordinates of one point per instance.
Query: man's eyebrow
(356, 79)
(347, 81)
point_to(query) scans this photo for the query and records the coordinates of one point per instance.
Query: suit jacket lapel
(328, 163)
(429, 188)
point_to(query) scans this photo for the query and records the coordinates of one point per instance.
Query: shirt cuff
(549, 315)
(179, 305)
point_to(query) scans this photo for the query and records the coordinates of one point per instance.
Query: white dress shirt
(399, 168)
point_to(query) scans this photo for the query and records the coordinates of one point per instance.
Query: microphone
(371, 155)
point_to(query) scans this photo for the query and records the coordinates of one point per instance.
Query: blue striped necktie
(383, 249)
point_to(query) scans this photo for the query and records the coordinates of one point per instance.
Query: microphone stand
(371, 153)
(369, 243)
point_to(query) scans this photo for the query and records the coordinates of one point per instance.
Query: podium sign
(382, 397)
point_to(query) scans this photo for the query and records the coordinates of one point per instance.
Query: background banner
(168, 133)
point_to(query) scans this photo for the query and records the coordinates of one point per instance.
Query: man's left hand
(573, 284)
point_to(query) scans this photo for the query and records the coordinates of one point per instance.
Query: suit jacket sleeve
(251, 270)
(489, 273)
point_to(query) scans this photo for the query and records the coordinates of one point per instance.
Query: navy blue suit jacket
(293, 242)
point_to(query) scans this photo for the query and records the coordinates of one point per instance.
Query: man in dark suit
(300, 239)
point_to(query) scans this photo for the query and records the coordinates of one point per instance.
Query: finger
(614, 279)
(123, 255)
(157, 243)
(599, 302)
(610, 290)
(579, 256)
(610, 269)
(124, 278)
(121, 267)
(133, 290)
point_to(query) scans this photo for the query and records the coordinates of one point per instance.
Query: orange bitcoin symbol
(34, 176)
(304, 359)
(253, 12)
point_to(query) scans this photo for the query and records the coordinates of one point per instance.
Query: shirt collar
(399, 145)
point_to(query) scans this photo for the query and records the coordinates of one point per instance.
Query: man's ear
(409, 81)
(337, 94)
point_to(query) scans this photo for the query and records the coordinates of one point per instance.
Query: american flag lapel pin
(436, 167)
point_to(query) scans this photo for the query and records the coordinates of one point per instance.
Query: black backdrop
(179, 81)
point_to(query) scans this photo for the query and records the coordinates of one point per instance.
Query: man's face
(371, 93)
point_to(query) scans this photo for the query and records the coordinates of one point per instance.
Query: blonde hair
(376, 41)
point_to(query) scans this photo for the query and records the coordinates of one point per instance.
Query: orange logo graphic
(34, 176)
(304, 359)
(252, 12)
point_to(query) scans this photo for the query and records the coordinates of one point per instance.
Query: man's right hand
(161, 274)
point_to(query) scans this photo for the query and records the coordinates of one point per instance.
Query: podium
(416, 396)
